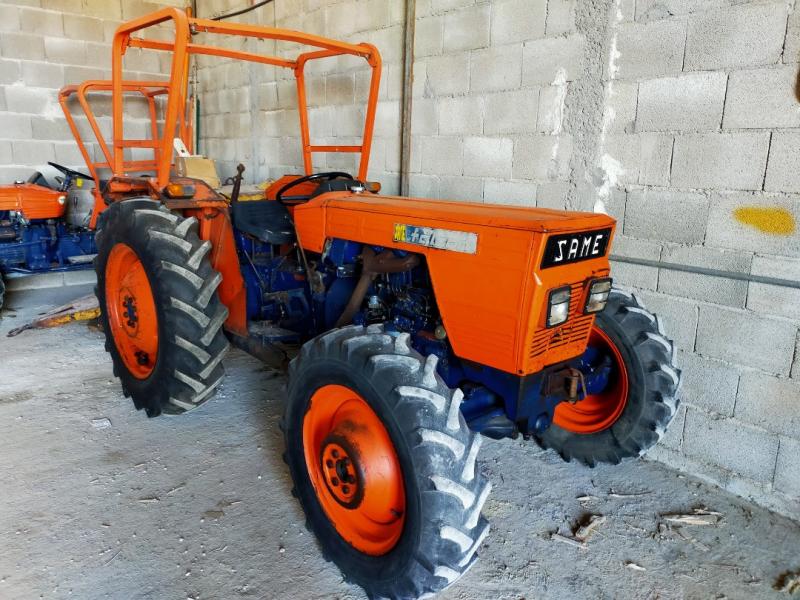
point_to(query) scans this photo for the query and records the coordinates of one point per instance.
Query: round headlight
(62, 200)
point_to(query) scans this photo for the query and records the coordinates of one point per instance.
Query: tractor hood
(492, 267)
(541, 220)
(32, 201)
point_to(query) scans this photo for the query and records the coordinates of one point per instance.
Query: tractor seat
(266, 220)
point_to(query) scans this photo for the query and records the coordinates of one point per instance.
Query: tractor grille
(575, 330)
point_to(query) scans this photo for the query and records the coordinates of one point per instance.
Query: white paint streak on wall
(611, 169)
(614, 53)
(560, 83)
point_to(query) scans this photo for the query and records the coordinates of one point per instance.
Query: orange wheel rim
(354, 469)
(597, 412)
(131, 309)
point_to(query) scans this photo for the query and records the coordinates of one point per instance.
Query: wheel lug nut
(329, 463)
(334, 481)
(335, 454)
(345, 489)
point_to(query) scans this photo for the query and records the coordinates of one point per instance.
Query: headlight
(598, 296)
(558, 307)
(62, 200)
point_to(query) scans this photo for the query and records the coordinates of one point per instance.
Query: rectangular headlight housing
(597, 299)
(558, 306)
(179, 190)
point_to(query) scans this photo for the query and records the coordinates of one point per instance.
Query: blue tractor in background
(45, 223)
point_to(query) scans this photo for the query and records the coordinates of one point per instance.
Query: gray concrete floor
(199, 506)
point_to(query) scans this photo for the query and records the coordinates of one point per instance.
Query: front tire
(421, 483)
(633, 410)
(159, 307)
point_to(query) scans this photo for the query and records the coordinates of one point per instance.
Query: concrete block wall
(715, 82)
(493, 76)
(45, 44)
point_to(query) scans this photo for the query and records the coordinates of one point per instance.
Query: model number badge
(574, 247)
(443, 239)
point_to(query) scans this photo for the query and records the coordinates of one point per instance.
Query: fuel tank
(80, 203)
(32, 201)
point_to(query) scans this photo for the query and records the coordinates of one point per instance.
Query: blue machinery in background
(40, 246)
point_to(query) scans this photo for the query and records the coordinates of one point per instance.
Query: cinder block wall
(670, 115)
(700, 130)
(45, 44)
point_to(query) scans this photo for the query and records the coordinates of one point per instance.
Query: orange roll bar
(182, 47)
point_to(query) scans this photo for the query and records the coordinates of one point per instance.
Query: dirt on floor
(96, 501)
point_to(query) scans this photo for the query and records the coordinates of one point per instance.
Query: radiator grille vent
(575, 330)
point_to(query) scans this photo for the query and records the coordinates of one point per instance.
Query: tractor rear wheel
(383, 463)
(632, 384)
(159, 307)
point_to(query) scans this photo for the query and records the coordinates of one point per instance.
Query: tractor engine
(37, 245)
(9, 231)
(24, 243)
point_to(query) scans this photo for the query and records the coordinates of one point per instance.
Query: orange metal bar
(192, 118)
(184, 96)
(285, 35)
(304, 58)
(302, 110)
(151, 101)
(372, 107)
(335, 148)
(214, 51)
(132, 165)
(140, 143)
(120, 45)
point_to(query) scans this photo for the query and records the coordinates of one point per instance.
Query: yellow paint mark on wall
(777, 221)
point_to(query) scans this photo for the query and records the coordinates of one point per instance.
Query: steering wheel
(70, 172)
(315, 177)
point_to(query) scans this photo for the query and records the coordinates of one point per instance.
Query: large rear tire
(159, 307)
(366, 410)
(638, 398)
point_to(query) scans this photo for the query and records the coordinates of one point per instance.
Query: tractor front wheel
(383, 463)
(632, 385)
(159, 307)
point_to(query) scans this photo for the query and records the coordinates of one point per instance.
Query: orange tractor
(419, 325)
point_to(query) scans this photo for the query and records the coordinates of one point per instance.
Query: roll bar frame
(176, 90)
